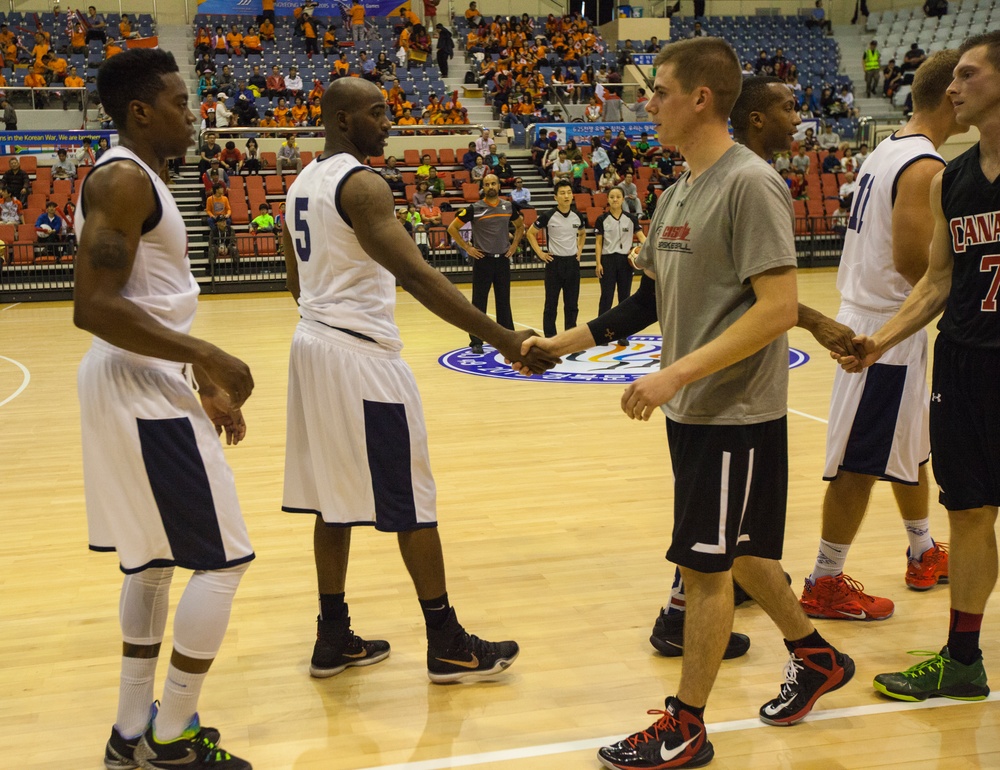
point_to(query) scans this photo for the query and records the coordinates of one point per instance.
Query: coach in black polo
(565, 233)
(491, 218)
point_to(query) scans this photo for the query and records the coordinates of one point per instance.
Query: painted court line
(10, 306)
(550, 749)
(24, 382)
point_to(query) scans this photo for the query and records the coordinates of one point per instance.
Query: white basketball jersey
(161, 282)
(339, 284)
(867, 277)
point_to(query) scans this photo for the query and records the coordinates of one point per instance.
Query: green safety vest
(872, 60)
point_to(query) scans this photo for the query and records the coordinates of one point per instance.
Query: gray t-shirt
(706, 240)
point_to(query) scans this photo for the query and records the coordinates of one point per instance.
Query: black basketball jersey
(972, 208)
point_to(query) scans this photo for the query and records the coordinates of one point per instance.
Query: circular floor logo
(612, 363)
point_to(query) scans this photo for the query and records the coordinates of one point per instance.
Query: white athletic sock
(135, 695)
(830, 560)
(918, 531)
(179, 704)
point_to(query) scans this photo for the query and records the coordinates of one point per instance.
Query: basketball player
(878, 419)
(491, 250)
(158, 489)
(723, 257)
(615, 232)
(357, 445)
(962, 279)
(764, 120)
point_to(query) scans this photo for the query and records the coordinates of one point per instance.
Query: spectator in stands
(763, 65)
(293, 83)
(288, 155)
(74, 81)
(827, 139)
(472, 15)
(56, 68)
(208, 107)
(252, 44)
(276, 87)
(356, 14)
(224, 80)
(251, 160)
(801, 161)
(849, 163)
(848, 188)
(68, 215)
(608, 179)
(936, 8)
(209, 150)
(504, 172)
(205, 64)
(840, 217)
(653, 46)
(49, 228)
(39, 99)
(861, 155)
(593, 111)
(17, 181)
(430, 212)
(125, 30)
(799, 186)
(697, 31)
(84, 155)
(111, 48)
(479, 171)
(222, 243)
(613, 89)
(639, 108)
(231, 156)
(892, 78)
(782, 162)
(223, 115)
(217, 208)
(831, 163)
(912, 59)
(521, 195)
(341, 67)
(257, 80)
(216, 175)
(207, 84)
(599, 157)
(831, 103)
(469, 158)
(64, 167)
(419, 196)
(847, 99)
(219, 45)
(818, 18)
(263, 222)
(102, 147)
(300, 113)
(309, 27)
(624, 157)
(631, 193)
(871, 62)
(810, 102)
(266, 29)
(562, 169)
(10, 209)
(392, 175)
(809, 141)
(202, 43)
(244, 111)
(77, 39)
(95, 25)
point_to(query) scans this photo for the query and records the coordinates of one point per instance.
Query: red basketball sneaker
(843, 598)
(930, 569)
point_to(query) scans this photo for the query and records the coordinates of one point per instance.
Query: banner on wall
(566, 131)
(47, 142)
(287, 7)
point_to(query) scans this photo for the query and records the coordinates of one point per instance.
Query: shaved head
(354, 116)
(347, 95)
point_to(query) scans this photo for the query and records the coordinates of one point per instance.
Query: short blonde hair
(706, 61)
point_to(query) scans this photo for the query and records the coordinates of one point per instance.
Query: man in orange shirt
(267, 30)
(329, 41)
(37, 80)
(357, 13)
(217, 208)
(309, 25)
(341, 67)
(74, 81)
(111, 48)
(473, 16)
(234, 41)
(125, 28)
(267, 13)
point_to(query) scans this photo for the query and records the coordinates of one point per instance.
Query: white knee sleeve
(142, 608)
(203, 612)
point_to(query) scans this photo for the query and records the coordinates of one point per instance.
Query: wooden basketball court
(555, 513)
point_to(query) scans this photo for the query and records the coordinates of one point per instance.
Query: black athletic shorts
(730, 490)
(965, 425)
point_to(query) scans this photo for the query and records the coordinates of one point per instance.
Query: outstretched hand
(835, 337)
(866, 354)
(224, 416)
(528, 353)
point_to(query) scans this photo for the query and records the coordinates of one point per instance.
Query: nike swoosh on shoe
(362, 654)
(473, 663)
(666, 755)
(187, 759)
(858, 615)
(772, 710)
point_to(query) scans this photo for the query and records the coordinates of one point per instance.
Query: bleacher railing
(37, 97)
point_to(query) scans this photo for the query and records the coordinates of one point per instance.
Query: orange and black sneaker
(842, 598)
(677, 739)
(338, 648)
(454, 655)
(929, 570)
(810, 673)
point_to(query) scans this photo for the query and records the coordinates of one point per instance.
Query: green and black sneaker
(940, 676)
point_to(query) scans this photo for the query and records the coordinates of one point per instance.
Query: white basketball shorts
(158, 488)
(879, 418)
(356, 451)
